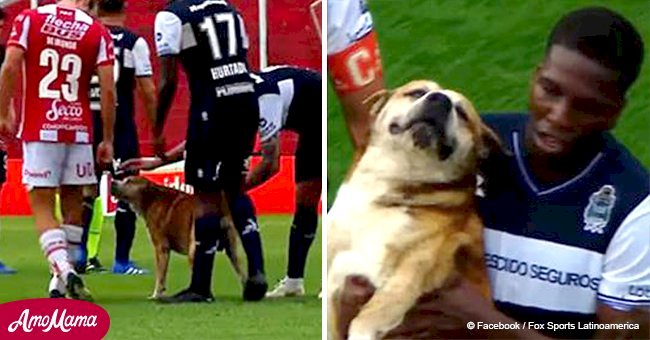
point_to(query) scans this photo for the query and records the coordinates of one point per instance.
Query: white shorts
(52, 165)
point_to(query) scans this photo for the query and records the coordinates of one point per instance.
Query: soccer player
(132, 70)
(59, 46)
(290, 99)
(354, 62)
(567, 213)
(209, 39)
(4, 269)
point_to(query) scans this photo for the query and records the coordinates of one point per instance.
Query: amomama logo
(52, 319)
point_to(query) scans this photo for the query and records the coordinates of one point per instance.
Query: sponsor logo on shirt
(59, 109)
(541, 272)
(65, 29)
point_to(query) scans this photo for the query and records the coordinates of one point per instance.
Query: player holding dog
(209, 39)
(60, 47)
(132, 71)
(567, 213)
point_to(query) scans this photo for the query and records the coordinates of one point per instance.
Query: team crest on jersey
(598, 211)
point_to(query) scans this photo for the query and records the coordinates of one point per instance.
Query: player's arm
(105, 70)
(144, 80)
(168, 45)
(354, 67)
(11, 68)
(271, 110)
(624, 290)
(149, 163)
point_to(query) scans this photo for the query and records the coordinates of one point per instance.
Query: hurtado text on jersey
(228, 70)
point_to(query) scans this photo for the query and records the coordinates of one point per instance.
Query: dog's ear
(377, 101)
(490, 143)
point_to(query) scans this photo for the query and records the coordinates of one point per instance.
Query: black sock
(243, 213)
(206, 233)
(86, 217)
(303, 232)
(124, 232)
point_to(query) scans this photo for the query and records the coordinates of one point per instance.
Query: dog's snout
(440, 102)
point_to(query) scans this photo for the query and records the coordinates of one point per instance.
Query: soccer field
(488, 50)
(134, 317)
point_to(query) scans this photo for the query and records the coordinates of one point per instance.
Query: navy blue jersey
(131, 60)
(553, 251)
(210, 39)
(289, 98)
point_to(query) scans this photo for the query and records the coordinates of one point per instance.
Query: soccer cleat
(56, 288)
(4, 270)
(287, 288)
(186, 296)
(76, 288)
(255, 288)
(94, 266)
(128, 269)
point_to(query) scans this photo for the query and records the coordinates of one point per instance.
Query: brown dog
(169, 215)
(405, 216)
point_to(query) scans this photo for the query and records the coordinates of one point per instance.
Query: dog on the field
(169, 215)
(405, 216)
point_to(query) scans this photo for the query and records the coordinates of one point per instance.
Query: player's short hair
(604, 36)
(111, 6)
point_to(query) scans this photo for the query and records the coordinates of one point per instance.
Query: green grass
(134, 317)
(488, 50)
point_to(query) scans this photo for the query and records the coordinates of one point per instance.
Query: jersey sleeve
(270, 115)
(106, 53)
(244, 35)
(168, 29)
(142, 58)
(20, 30)
(625, 282)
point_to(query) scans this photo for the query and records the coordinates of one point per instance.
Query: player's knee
(308, 193)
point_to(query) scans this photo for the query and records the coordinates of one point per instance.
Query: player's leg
(93, 216)
(94, 220)
(78, 172)
(241, 206)
(89, 194)
(200, 170)
(308, 173)
(126, 147)
(43, 166)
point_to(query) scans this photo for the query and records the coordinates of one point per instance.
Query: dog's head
(131, 190)
(428, 126)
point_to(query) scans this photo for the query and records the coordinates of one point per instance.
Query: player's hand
(144, 163)
(429, 318)
(356, 292)
(159, 147)
(105, 155)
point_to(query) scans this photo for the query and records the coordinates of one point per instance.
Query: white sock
(57, 283)
(55, 248)
(73, 235)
